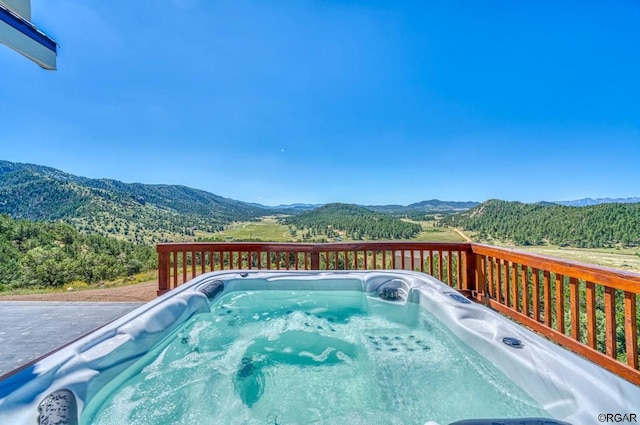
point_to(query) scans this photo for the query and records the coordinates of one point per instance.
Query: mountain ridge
(152, 213)
(597, 201)
(135, 211)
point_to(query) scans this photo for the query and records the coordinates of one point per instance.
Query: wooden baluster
(440, 265)
(507, 285)
(431, 272)
(546, 279)
(535, 292)
(184, 266)
(449, 269)
(499, 280)
(175, 269)
(481, 265)
(610, 321)
(574, 302)
(193, 265)
(524, 277)
(590, 297)
(491, 276)
(631, 329)
(515, 287)
(203, 265)
(459, 277)
(560, 303)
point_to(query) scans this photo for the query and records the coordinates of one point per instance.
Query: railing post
(163, 275)
(631, 328)
(470, 282)
(315, 259)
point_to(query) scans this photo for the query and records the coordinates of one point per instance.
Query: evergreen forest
(355, 221)
(596, 226)
(34, 254)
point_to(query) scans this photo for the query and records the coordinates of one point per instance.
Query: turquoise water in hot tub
(309, 357)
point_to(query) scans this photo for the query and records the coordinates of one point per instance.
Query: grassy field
(617, 258)
(431, 233)
(269, 230)
(623, 259)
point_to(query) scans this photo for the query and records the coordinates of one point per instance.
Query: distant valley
(58, 229)
(145, 213)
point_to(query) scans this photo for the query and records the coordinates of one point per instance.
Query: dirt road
(465, 237)
(141, 292)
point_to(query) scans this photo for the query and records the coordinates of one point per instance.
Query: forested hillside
(604, 225)
(141, 213)
(357, 223)
(52, 254)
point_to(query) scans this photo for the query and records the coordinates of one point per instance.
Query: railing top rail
(308, 247)
(618, 279)
(401, 245)
(232, 246)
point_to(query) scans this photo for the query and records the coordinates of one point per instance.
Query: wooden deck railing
(589, 309)
(178, 262)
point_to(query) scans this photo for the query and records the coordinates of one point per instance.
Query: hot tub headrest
(211, 289)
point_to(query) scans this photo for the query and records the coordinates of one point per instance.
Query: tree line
(604, 225)
(53, 254)
(356, 222)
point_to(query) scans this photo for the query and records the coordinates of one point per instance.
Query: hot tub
(377, 347)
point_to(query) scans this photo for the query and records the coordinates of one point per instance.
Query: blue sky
(370, 102)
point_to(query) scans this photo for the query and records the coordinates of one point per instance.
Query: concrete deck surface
(30, 329)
